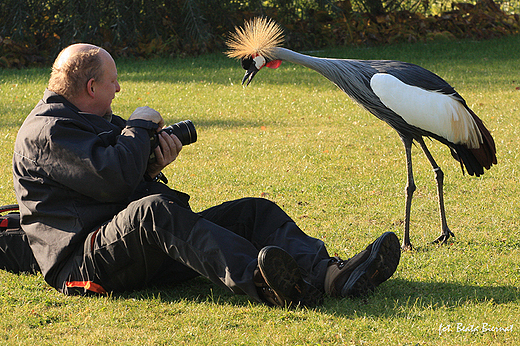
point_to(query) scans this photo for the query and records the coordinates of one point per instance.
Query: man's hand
(147, 113)
(166, 152)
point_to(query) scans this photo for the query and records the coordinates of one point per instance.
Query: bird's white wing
(432, 111)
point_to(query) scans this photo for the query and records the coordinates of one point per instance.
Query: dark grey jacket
(74, 171)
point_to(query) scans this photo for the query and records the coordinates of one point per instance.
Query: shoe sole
(282, 274)
(379, 267)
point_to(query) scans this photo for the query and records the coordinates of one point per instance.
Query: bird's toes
(443, 238)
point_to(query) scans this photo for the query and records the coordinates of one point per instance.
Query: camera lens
(184, 130)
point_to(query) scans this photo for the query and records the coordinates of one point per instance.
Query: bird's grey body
(353, 77)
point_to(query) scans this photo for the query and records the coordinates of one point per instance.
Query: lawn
(294, 138)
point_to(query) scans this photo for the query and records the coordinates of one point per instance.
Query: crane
(415, 102)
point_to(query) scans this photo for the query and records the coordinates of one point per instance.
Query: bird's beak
(250, 74)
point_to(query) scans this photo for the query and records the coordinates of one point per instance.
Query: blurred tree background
(32, 32)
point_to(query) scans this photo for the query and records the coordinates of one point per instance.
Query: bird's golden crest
(258, 37)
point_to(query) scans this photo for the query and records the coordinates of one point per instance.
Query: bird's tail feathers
(476, 159)
(486, 154)
(467, 160)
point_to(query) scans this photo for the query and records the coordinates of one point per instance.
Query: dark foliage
(32, 34)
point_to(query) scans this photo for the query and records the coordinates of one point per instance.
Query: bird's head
(254, 46)
(253, 64)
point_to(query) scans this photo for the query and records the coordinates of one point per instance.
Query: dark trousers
(156, 241)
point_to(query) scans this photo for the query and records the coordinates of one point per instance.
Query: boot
(279, 281)
(365, 271)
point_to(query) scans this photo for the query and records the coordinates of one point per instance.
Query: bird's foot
(407, 246)
(443, 238)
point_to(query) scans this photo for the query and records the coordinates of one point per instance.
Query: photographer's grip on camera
(184, 130)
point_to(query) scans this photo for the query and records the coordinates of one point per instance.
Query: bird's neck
(296, 58)
(333, 69)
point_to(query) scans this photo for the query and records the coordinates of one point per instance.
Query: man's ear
(90, 87)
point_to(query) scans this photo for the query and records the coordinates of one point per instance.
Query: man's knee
(151, 201)
(155, 213)
(155, 204)
(260, 205)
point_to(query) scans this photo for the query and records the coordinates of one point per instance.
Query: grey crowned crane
(412, 100)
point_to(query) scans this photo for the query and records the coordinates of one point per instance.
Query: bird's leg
(439, 177)
(409, 190)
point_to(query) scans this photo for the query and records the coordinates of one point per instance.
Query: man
(98, 220)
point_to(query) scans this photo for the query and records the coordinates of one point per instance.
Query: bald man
(99, 220)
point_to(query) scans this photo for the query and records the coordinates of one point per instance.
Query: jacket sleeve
(91, 165)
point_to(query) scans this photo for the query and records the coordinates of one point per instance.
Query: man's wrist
(157, 178)
(148, 125)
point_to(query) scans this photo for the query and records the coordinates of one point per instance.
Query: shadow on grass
(395, 297)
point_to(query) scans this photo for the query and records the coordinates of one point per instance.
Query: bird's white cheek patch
(431, 111)
(259, 61)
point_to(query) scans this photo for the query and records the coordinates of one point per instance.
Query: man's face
(107, 87)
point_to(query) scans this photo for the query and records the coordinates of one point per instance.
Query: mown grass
(292, 137)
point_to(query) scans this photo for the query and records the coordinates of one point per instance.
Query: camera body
(184, 130)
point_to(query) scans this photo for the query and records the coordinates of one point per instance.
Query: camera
(184, 130)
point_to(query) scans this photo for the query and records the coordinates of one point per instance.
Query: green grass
(292, 137)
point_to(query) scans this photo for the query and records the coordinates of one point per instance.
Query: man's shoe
(365, 271)
(280, 282)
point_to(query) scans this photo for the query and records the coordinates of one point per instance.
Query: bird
(415, 102)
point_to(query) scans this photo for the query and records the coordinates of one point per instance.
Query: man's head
(86, 75)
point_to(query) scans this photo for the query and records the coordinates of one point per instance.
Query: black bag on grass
(15, 254)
